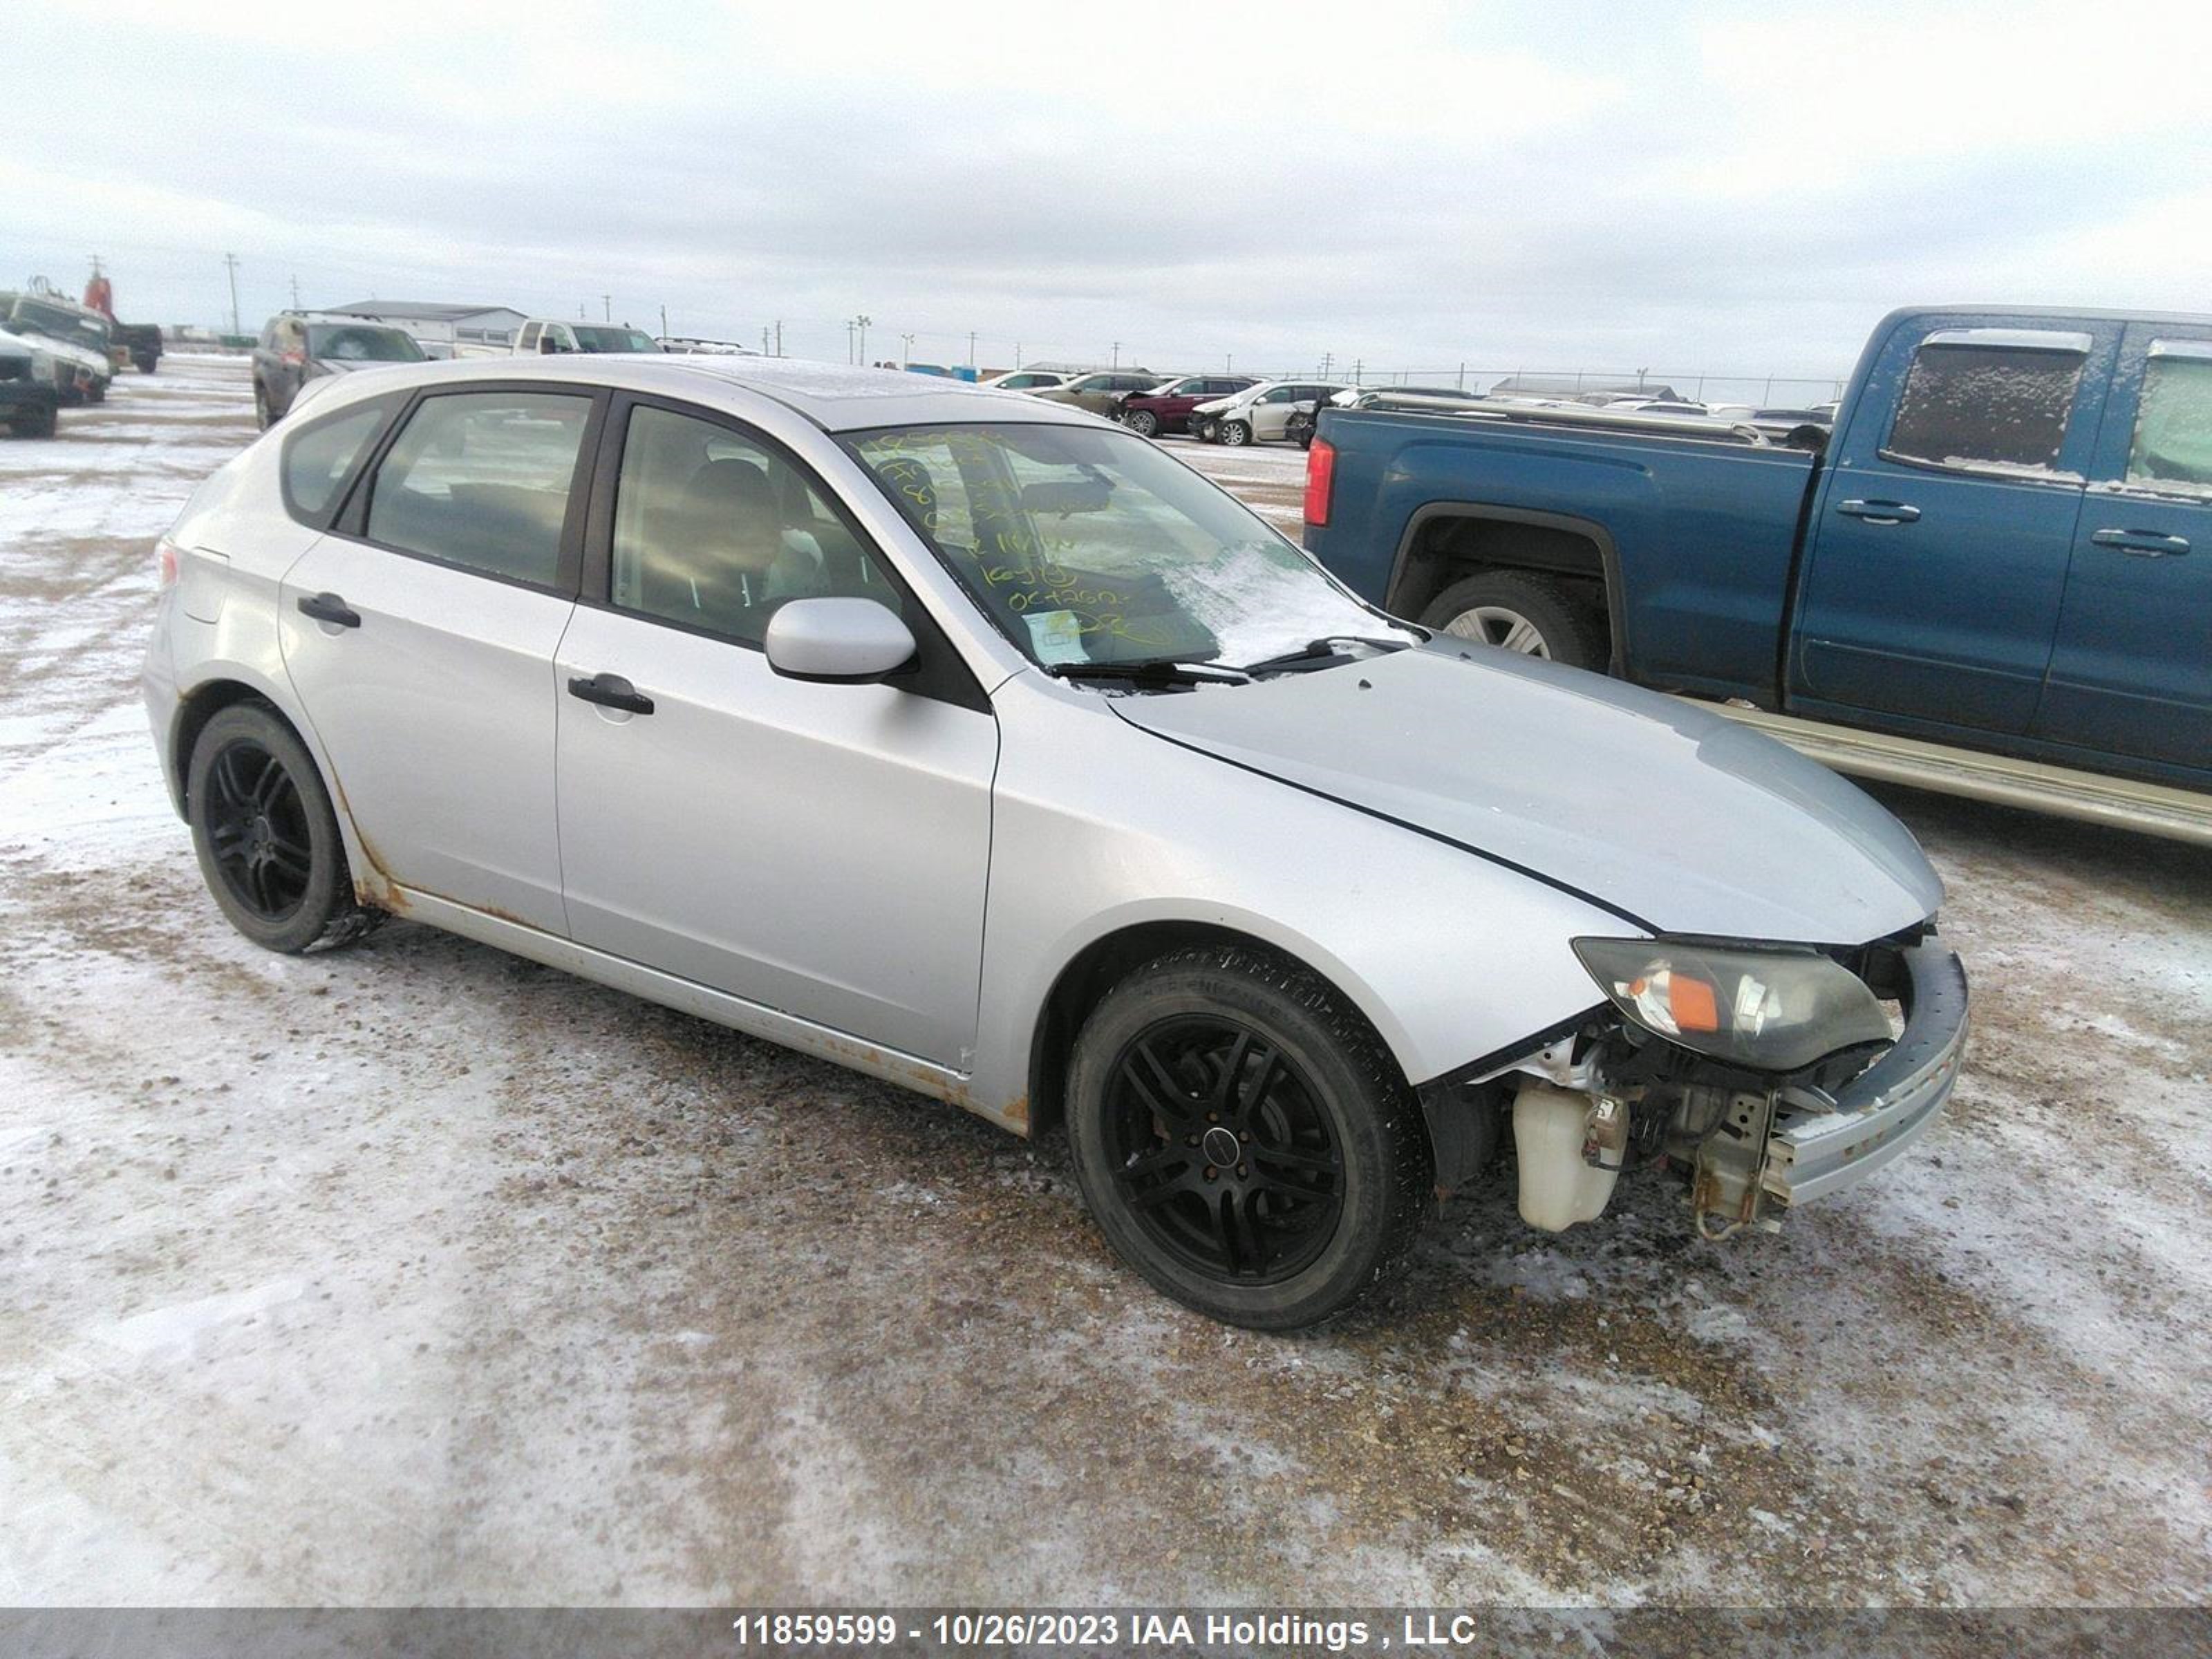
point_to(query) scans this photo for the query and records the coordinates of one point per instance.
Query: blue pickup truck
(1995, 575)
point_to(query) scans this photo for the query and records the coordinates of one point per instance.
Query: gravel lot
(419, 1273)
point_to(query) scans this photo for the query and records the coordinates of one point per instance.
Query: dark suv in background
(1167, 408)
(296, 348)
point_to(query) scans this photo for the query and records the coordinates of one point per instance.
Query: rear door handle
(2143, 543)
(330, 608)
(610, 691)
(1879, 512)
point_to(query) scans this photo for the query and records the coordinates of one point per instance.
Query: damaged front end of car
(1766, 1074)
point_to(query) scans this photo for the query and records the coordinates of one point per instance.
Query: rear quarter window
(322, 455)
(2002, 407)
(2172, 447)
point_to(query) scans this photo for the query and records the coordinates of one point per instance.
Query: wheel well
(1447, 547)
(203, 705)
(1096, 970)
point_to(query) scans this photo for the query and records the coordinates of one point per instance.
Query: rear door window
(483, 480)
(1995, 403)
(2173, 445)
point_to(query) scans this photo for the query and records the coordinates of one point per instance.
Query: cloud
(1725, 186)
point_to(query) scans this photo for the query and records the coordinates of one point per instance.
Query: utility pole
(295, 290)
(1462, 377)
(664, 322)
(763, 339)
(779, 336)
(1357, 364)
(860, 321)
(1228, 362)
(1117, 354)
(906, 349)
(848, 340)
(1327, 358)
(971, 348)
(607, 306)
(1017, 354)
(230, 264)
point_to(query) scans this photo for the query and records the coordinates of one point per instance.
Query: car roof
(836, 397)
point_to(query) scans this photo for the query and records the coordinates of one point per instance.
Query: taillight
(293, 359)
(165, 551)
(1320, 480)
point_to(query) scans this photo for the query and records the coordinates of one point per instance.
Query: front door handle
(330, 608)
(1879, 512)
(610, 691)
(2143, 543)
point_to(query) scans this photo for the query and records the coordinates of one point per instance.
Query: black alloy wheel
(266, 834)
(257, 832)
(1244, 1138)
(1221, 1151)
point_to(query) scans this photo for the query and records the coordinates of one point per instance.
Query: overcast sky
(1720, 187)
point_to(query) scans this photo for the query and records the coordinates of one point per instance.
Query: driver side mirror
(837, 642)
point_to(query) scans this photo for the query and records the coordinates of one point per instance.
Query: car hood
(1214, 406)
(1679, 820)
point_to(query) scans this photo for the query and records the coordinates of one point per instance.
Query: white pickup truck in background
(548, 336)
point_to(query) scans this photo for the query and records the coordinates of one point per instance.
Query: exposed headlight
(1772, 1009)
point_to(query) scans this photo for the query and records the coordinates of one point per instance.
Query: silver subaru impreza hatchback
(979, 745)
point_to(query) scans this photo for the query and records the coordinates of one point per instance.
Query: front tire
(266, 835)
(1143, 422)
(1235, 433)
(1529, 616)
(1244, 1139)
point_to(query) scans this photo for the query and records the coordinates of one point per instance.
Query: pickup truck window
(2173, 446)
(1998, 405)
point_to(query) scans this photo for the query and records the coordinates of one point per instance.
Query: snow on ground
(416, 1272)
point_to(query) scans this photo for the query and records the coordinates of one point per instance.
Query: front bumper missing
(1821, 1143)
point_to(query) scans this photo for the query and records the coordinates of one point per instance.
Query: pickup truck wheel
(146, 362)
(38, 424)
(1527, 615)
(266, 837)
(1143, 422)
(1234, 433)
(1244, 1139)
(261, 415)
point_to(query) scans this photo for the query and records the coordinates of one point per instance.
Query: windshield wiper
(1150, 670)
(1315, 653)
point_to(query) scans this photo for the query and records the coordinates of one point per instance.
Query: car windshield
(1087, 547)
(348, 344)
(60, 323)
(594, 337)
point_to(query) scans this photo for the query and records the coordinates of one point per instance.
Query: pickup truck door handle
(1879, 512)
(2143, 543)
(330, 608)
(610, 691)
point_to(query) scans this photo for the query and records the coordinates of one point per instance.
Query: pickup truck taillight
(165, 555)
(295, 358)
(1320, 480)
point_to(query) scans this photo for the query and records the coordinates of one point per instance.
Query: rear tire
(1531, 616)
(261, 416)
(1235, 433)
(1331, 1177)
(146, 362)
(266, 835)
